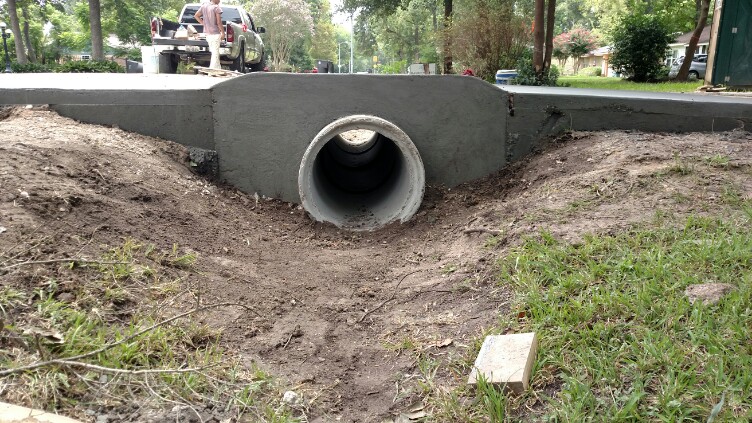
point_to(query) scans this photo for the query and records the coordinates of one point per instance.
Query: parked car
(696, 68)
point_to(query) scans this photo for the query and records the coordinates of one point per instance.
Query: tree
(323, 44)
(27, 37)
(385, 8)
(95, 24)
(543, 36)
(16, 28)
(574, 44)
(639, 46)
(489, 35)
(448, 12)
(286, 22)
(408, 34)
(689, 53)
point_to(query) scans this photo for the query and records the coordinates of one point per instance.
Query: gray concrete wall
(457, 123)
(261, 124)
(183, 116)
(539, 112)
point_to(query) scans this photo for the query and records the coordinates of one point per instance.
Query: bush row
(69, 67)
(590, 71)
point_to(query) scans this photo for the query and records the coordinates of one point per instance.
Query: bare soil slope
(330, 302)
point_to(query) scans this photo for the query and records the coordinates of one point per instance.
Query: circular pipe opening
(362, 182)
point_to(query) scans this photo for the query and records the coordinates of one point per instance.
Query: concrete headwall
(538, 112)
(261, 124)
(264, 122)
(177, 109)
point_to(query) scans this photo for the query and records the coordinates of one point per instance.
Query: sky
(339, 18)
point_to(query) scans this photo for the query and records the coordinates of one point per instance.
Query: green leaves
(639, 45)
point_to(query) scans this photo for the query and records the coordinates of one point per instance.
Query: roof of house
(601, 51)
(704, 37)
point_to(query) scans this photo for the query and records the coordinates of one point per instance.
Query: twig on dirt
(409, 260)
(100, 175)
(482, 231)
(63, 361)
(288, 340)
(91, 238)
(394, 293)
(104, 369)
(8, 251)
(182, 404)
(68, 260)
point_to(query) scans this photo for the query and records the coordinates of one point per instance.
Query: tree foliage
(489, 35)
(322, 43)
(286, 22)
(574, 44)
(640, 44)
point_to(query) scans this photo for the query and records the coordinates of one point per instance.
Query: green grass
(622, 84)
(619, 341)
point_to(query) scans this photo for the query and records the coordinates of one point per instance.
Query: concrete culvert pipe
(361, 184)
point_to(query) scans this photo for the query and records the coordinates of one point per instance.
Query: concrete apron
(278, 134)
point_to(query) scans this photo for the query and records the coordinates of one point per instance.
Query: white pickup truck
(242, 49)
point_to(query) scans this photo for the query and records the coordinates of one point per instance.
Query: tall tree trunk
(448, 11)
(689, 53)
(95, 22)
(27, 38)
(434, 17)
(550, 19)
(698, 9)
(16, 27)
(538, 36)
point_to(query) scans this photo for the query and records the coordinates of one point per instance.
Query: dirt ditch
(331, 304)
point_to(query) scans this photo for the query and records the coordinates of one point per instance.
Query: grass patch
(619, 340)
(623, 84)
(103, 340)
(718, 160)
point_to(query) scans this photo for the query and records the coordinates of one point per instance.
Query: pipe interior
(362, 183)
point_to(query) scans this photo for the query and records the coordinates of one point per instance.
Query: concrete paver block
(506, 360)
(10, 413)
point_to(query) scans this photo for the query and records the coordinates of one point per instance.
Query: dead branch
(113, 370)
(482, 231)
(394, 293)
(62, 361)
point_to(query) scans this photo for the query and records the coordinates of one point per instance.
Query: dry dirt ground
(330, 302)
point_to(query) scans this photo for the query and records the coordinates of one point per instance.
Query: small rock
(707, 293)
(66, 297)
(291, 398)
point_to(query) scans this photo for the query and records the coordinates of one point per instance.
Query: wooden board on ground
(216, 72)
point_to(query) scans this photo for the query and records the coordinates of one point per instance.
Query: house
(596, 58)
(679, 47)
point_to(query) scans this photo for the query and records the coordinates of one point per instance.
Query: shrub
(90, 67)
(526, 74)
(591, 71)
(640, 42)
(30, 68)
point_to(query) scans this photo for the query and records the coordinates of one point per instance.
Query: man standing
(210, 16)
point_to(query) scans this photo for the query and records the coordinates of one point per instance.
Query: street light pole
(6, 35)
